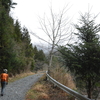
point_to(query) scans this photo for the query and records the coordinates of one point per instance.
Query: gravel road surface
(17, 90)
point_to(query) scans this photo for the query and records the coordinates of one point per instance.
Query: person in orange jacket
(4, 80)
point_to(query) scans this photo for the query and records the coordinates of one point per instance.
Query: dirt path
(18, 89)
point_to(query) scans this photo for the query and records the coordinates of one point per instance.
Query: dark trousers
(3, 85)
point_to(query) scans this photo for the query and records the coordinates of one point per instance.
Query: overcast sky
(27, 11)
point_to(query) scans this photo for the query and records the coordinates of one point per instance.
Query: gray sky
(27, 11)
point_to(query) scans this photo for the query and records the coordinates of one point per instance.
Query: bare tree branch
(56, 28)
(40, 38)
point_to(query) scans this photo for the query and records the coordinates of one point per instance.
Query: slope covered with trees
(16, 51)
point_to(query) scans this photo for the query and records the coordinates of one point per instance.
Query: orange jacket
(4, 77)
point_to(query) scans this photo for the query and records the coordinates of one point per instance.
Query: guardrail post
(48, 78)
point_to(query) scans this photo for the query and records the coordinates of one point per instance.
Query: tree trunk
(51, 55)
(89, 89)
(50, 63)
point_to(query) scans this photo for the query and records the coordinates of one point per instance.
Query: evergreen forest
(16, 51)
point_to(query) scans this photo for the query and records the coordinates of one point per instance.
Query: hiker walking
(4, 80)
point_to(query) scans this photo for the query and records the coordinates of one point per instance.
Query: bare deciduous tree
(57, 29)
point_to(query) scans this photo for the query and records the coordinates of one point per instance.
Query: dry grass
(37, 91)
(61, 75)
(44, 90)
(19, 76)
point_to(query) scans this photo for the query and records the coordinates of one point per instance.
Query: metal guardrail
(66, 89)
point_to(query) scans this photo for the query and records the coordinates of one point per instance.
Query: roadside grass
(19, 76)
(37, 90)
(63, 76)
(44, 90)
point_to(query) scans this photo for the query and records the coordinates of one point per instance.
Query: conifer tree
(16, 51)
(6, 32)
(83, 59)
